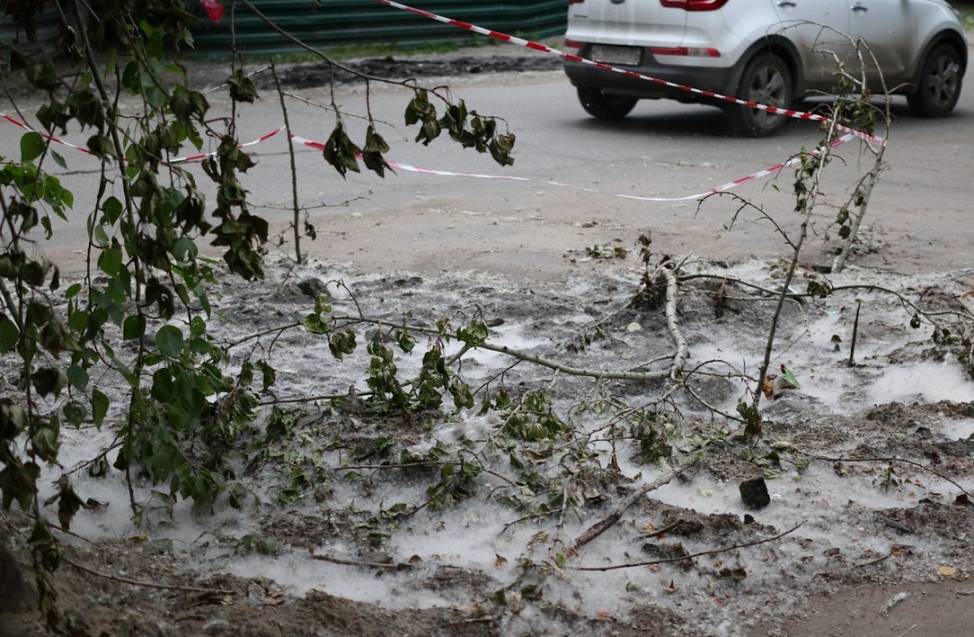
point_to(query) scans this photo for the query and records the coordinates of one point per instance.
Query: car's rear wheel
(938, 86)
(766, 80)
(604, 106)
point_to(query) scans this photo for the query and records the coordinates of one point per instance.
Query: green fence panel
(352, 22)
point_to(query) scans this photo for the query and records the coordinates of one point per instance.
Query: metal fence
(351, 22)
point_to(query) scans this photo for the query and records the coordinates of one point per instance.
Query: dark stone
(312, 287)
(754, 493)
(410, 282)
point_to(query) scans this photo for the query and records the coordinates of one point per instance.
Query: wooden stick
(688, 557)
(345, 562)
(600, 527)
(855, 335)
(168, 587)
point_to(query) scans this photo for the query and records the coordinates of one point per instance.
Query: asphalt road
(918, 218)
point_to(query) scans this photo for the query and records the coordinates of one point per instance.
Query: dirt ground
(116, 588)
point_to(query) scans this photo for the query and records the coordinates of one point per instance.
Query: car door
(820, 30)
(888, 31)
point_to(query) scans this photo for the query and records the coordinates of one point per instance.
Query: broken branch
(597, 529)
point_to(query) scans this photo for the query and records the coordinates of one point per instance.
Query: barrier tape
(17, 122)
(872, 139)
(200, 156)
(310, 143)
(176, 160)
(722, 188)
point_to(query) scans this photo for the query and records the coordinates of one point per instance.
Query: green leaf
(79, 320)
(99, 237)
(110, 260)
(169, 340)
(99, 407)
(788, 377)
(75, 413)
(112, 209)
(269, 375)
(133, 327)
(185, 249)
(31, 146)
(78, 377)
(9, 335)
(59, 160)
(315, 325)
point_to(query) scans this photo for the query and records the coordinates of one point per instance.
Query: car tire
(765, 80)
(939, 83)
(603, 106)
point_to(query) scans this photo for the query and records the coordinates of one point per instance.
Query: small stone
(313, 287)
(754, 493)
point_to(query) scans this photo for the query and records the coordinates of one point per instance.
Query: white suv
(765, 51)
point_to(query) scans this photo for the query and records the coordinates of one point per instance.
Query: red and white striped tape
(723, 188)
(872, 139)
(310, 143)
(19, 123)
(200, 156)
(175, 160)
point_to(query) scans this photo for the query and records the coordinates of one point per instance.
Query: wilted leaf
(48, 380)
(736, 574)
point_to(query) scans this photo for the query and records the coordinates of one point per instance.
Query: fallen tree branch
(124, 580)
(682, 348)
(600, 527)
(687, 557)
(345, 562)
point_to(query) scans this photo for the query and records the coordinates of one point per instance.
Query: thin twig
(345, 562)
(808, 200)
(600, 527)
(688, 557)
(658, 532)
(294, 169)
(855, 336)
(875, 561)
(124, 580)
(892, 460)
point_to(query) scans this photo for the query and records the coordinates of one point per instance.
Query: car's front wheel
(938, 86)
(766, 80)
(604, 106)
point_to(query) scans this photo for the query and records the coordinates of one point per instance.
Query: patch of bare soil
(391, 67)
(717, 573)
